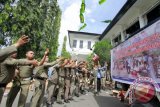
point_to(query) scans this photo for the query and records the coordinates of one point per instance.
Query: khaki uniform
(40, 80)
(8, 71)
(4, 53)
(95, 71)
(67, 83)
(25, 73)
(77, 82)
(72, 81)
(61, 77)
(52, 84)
(13, 91)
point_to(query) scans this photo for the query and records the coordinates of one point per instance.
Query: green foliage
(81, 15)
(89, 60)
(82, 11)
(83, 26)
(39, 19)
(101, 1)
(107, 21)
(102, 49)
(81, 18)
(64, 51)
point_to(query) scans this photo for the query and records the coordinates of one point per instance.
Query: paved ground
(88, 100)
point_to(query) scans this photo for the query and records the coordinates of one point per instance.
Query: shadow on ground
(107, 101)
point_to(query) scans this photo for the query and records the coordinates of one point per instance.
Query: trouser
(72, 88)
(95, 84)
(37, 99)
(51, 91)
(103, 82)
(98, 84)
(13, 92)
(2, 89)
(17, 86)
(24, 93)
(81, 85)
(61, 88)
(67, 88)
(76, 86)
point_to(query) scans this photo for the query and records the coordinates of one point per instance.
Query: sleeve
(17, 62)
(50, 64)
(4, 53)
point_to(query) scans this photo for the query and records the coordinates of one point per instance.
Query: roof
(87, 33)
(120, 14)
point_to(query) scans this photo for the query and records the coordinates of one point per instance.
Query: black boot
(49, 105)
(60, 102)
(66, 101)
(71, 99)
(77, 95)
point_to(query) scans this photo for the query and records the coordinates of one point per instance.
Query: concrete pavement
(88, 100)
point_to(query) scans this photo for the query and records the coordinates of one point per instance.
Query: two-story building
(81, 43)
(134, 34)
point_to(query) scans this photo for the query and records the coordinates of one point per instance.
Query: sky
(94, 15)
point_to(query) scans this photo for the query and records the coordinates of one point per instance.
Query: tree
(102, 49)
(64, 52)
(90, 61)
(39, 19)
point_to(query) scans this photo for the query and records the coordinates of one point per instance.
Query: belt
(41, 78)
(61, 76)
(2, 85)
(26, 79)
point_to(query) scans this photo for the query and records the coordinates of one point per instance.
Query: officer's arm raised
(21, 62)
(52, 63)
(44, 57)
(4, 53)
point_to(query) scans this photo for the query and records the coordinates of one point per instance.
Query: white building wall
(82, 53)
(85, 49)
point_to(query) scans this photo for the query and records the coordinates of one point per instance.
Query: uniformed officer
(67, 80)
(4, 53)
(77, 82)
(56, 80)
(25, 74)
(72, 80)
(95, 71)
(61, 78)
(8, 70)
(52, 84)
(40, 80)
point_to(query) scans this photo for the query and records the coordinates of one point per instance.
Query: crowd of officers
(68, 77)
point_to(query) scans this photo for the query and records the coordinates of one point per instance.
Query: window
(117, 40)
(81, 44)
(132, 29)
(89, 44)
(74, 43)
(153, 14)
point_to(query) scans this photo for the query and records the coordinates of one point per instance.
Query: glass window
(132, 29)
(117, 40)
(81, 44)
(74, 43)
(89, 44)
(154, 14)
